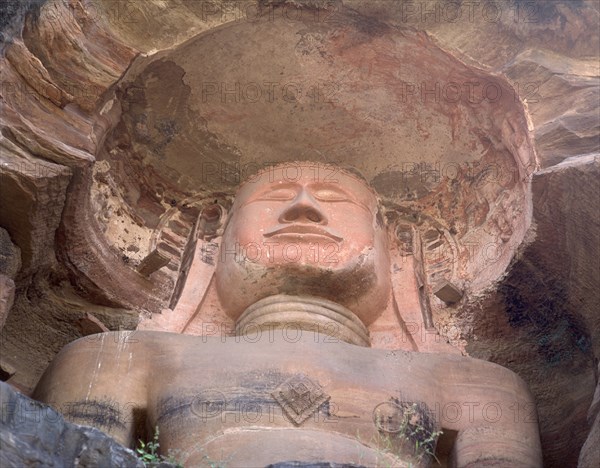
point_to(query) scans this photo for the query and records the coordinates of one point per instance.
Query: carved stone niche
(451, 162)
(304, 271)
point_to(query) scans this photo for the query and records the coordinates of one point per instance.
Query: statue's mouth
(303, 230)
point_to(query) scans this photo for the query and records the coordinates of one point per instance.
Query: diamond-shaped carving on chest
(299, 397)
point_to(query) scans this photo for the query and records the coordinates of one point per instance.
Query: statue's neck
(306, 313)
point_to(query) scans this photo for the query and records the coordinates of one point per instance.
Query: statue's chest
(213, 393)
(295, 397)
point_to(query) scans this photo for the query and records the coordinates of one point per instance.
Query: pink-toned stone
(326, 367)
(323, 232)
(546, 51)
(447, 292)
(356, 382)
(90, 325)
(154, 261)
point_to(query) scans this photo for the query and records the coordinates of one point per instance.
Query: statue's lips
(303, 230)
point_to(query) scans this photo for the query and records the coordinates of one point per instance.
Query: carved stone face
(304, 229)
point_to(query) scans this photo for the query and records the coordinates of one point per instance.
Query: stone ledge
(33, 434)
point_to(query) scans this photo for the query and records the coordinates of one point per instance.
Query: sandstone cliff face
(121, 120)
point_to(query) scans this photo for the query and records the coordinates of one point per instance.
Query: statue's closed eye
(290, 193)
(328, 195)
(282, 194)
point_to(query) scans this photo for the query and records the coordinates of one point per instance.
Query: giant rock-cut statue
(303, 271)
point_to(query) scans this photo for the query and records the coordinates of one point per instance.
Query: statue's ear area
(380, 218)
(212, 221)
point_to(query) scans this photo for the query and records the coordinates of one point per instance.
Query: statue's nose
(304, 208)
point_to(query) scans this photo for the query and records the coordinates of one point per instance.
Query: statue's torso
(241, 400)
(227, 400)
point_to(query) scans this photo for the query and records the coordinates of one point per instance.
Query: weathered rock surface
(7, 297)
(10, 256)
(545, 319)
(33, 434)
(548, 50)
(85, 205)
(590, 452)
(10, 264)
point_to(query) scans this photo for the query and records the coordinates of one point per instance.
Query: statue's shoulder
(139, 341)
(117, 341)
(464, 371)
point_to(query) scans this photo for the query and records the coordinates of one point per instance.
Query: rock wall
(81, 211)
(33, 434)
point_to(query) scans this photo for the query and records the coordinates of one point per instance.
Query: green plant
(148, 452)
(410, 429)
(384, 448)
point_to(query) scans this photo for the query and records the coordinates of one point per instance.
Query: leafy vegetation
(408, 430)
(148, 452)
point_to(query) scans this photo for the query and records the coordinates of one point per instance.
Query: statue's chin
(355, 285)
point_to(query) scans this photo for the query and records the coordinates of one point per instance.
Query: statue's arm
(497, 421)
(99, 381)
